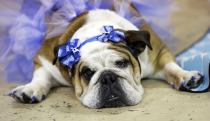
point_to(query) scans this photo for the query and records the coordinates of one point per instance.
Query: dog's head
(108, 74)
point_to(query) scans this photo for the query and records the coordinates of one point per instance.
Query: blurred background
(25, 24)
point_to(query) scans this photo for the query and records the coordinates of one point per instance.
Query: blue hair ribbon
(69, 53)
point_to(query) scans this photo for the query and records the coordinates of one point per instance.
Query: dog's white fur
(49, 76)
(102, 60)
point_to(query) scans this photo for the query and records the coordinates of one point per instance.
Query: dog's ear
(137, 40)
(55, 55)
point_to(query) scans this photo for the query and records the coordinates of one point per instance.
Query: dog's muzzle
(111, 93)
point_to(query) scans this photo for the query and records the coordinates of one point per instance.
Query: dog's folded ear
(55, 55)
(137, 40)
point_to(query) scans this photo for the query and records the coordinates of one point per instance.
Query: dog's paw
(28, 93)
(185, 80)
(192, 80)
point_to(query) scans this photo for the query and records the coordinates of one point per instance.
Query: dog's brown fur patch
(160, 55)
(48, 46)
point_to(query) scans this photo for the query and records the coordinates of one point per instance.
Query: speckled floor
(160, 103)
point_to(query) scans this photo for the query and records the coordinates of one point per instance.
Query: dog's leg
(180, 79)
(37, 89)
(175, 75)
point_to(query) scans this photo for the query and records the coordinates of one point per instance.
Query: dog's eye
(87, 73)
(122, 63)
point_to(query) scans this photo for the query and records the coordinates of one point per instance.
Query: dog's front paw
(29, 93)
(192, 79)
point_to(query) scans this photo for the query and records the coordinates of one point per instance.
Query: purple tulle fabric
(25, 23)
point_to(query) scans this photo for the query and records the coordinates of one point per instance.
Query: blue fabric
(21, 36)
(69, 53)
(25, 23)
(198, 58)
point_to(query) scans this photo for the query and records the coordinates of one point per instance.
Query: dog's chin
(112, 101)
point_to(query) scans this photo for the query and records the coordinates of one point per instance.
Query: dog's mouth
(113, 101)
(112, 96)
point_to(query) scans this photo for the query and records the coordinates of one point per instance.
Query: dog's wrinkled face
(107, 75)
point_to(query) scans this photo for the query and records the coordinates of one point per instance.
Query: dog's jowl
(104, 60)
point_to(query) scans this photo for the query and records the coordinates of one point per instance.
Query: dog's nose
(108, 78)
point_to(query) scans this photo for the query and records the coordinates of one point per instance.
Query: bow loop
(107, 29)
(109, 34)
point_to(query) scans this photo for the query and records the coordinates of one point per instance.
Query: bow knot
(74, 50)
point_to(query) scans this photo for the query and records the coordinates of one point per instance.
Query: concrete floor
(160, 103)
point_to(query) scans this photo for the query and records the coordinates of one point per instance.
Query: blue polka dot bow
(69, 53)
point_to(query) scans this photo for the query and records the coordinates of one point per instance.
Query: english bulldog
(104, 57)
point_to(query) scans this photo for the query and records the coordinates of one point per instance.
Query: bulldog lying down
(104, 57)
